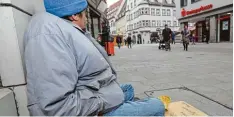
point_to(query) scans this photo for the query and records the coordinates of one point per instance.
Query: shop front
(96, 17)
(225, 27)
(211, 24)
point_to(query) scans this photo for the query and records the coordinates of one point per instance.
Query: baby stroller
(162, 45)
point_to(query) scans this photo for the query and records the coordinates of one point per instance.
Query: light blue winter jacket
(68, 72)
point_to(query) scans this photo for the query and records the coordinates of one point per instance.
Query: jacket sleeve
(52, 75)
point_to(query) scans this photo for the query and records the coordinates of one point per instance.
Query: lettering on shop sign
(195, 11)
(223, 18)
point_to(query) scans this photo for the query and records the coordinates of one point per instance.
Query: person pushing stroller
(167, 37)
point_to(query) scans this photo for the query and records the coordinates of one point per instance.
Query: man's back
(166, 34)
(61, 77)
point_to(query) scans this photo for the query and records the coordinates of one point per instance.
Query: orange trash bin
(110, 49)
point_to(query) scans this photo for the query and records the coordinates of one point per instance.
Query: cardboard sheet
(183, 109)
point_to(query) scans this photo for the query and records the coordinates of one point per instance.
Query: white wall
(13, 24)
(216, 4)
(7, 103)
(120, 25)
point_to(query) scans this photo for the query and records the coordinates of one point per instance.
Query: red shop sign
(195, 11)
(223, 18)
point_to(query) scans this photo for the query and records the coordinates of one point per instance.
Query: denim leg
(147, 107)
(128, 92)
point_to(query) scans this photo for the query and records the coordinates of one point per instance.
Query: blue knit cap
(63, 8)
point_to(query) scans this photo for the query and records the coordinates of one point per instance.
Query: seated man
(69, 73)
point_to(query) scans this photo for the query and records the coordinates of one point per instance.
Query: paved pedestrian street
(205, 70)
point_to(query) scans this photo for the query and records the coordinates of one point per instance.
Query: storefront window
(96, 30)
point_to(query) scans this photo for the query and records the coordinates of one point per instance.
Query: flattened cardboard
(183, 109)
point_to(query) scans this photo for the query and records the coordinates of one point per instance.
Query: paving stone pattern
(207, 69)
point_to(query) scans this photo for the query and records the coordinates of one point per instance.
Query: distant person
(167, 36)
(185, 37)
(125, 42)
(119, 41)
(193, 38)
(173, 37)
(207, 33)
(129, 40)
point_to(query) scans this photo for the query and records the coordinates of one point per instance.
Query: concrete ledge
(7, 103)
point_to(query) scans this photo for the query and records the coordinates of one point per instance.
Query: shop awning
(207, 14)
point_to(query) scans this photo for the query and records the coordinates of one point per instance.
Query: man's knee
(127, 87)
(158, 107)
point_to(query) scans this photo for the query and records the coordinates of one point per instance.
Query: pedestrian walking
(173, 37)
(193, 37)
(129, 41)
(185, 37)
(167, 36)
(207, 33)
(119, 41)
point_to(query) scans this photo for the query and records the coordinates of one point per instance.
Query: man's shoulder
(45, 23)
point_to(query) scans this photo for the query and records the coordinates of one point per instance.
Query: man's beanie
(63, 8)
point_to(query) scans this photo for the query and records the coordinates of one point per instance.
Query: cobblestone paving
(207, 69)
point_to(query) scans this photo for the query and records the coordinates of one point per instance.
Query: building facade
(213, 19)
(147, 16)
(121, 19)
(96, 16)
(111, 13)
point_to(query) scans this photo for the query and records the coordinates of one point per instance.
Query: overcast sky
(110, 2)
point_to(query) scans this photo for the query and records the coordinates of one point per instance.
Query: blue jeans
(146, 107)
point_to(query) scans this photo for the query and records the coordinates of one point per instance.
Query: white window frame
(164, 22)
(159, 23)
(168, 12)
(143, 23)
(153, 23)
(158, 13)
(175, 23)
(153, 11)
(169, 22)
(164, 12)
